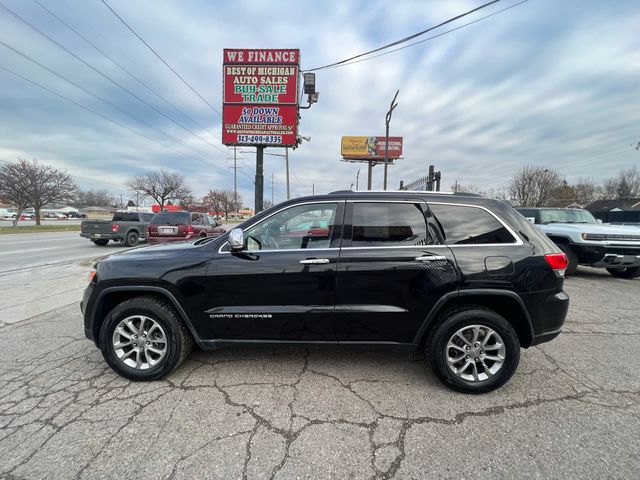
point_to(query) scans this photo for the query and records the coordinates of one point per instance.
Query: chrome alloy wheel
(139, 342)
(475, 353)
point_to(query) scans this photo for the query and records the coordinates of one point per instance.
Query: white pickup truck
(586, 241)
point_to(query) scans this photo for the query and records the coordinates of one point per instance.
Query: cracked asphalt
(571, 411)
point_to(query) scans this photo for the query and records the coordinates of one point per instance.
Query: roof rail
(346, 192)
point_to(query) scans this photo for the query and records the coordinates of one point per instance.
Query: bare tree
(466, 188)
(610, 189)
(161, 186)
(48, 185)
(628, 183)
(15, 181)
(222, 201)
(535, 186)
(99, 198)
(586, 191)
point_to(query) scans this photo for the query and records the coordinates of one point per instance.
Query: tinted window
(470, 225)
(303, 226)
(388, 225)
(125, 217)
(171, 218)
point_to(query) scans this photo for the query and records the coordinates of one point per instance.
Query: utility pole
(259, 181)
(235, 180)
(369, 173)
(313, 189)
(272, 189)
(386, 139)
(358, 180)
(286, 159)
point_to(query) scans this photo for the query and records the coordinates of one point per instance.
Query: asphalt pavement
(572, 410)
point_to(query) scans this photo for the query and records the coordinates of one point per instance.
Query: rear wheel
(631, 272)
(101, 242)
(473, 349)
(572, 259)
(143, 339)
(132, 239)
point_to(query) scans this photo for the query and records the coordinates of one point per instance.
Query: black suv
(463, 278)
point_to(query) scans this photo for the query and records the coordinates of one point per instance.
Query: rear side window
(388, 225)
(125, 217)
(171, 218)
(470, 225)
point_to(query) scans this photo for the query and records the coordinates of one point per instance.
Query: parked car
(73, 214)
(126, 227)
(589, 242)
(465, 279)
(180, 226)
(55, 215)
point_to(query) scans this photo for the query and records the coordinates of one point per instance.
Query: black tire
(132, 239)
(631, 272)
(179, 339)
(572, 264)
(100, 242)
(452, 321)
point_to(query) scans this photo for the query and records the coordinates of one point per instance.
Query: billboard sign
(370, 148)
(260, 97)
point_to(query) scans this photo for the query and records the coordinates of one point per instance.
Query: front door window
(300, 227)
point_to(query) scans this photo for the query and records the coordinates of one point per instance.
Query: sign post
(260, 105)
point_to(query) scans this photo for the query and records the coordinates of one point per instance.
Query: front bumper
(607, 256)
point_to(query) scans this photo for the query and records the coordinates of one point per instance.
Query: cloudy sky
(548, 83)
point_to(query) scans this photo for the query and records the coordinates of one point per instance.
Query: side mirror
(531, 219)
(599, 220)
(236, 240)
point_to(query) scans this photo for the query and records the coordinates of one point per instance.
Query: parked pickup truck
(126, 227)
(586, 241)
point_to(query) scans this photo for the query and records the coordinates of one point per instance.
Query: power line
(432, 37)
(120, 66)
(84, 62)
(159, 57)
(403, 40)
(88, 92)
(115, 122)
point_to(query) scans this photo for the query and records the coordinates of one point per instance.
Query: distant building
(616, 211)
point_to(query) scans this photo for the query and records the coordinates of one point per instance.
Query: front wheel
(473, 349)
(631, 272)
(101, 242)
(143, 339)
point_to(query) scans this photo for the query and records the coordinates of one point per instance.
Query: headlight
(611, 237)
(92, 274)
(593, 236)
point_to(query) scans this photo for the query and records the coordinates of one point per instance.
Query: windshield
(568, 215)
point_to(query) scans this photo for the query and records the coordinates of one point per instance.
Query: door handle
(314, 261)
(432, 258)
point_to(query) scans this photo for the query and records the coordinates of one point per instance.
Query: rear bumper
(548, 312)
(603, 256)
(166, 239)
(101, 236)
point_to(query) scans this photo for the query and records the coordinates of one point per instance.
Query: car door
(392, 271)
(283, 286)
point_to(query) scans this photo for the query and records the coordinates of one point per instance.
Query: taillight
(558, 262)
(153, 229)
(115, 227)
(189, 229)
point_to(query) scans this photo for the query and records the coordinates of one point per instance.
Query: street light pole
(259, 188)
(386, 140)
(357, 179)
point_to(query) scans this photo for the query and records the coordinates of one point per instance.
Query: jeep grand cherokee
(465, 279)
